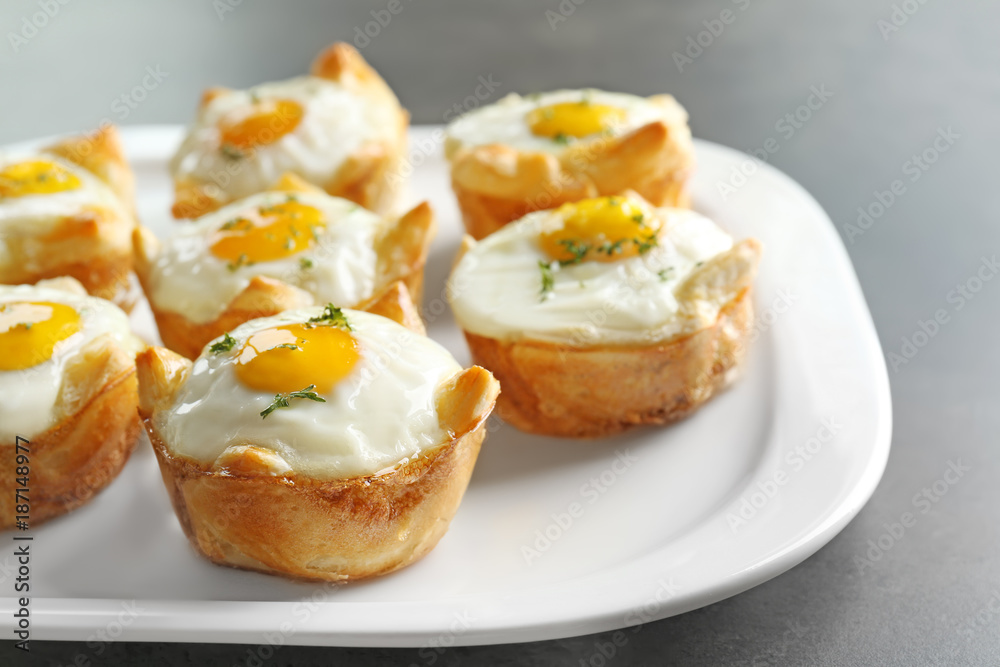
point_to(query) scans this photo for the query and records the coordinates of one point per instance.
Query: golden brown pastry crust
(558, 390)
(244, 512)
(364, 178)
(97, 429)
(85, 246)
(593, 391)
(401, 247)
(496, 184)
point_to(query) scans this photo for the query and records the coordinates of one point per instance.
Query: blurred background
(895, 76)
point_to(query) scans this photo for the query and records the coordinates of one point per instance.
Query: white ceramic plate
(665, 520)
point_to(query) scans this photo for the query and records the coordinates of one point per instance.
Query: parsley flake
(225, 345)
(282, 400)
(332, 316)
(548, 280)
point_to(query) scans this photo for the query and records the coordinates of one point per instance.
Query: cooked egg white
(39, 193)
(41, 330)
(551, 122)
(378, 384)
(321, 244)
(600, 271)
(243, 140)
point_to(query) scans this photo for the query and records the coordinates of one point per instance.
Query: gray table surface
(899, 72)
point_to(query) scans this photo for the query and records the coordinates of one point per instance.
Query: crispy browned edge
(365, 178)
(401, 247)
(84, 253)
(496, 184)
(240, 514)
(79, 456)
(594, 391)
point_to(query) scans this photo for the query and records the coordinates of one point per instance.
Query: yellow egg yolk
(293, 356)
(267, 233)
(30, 331)
(264, 123)
(604, 229)
(36, 177)
(573, 119)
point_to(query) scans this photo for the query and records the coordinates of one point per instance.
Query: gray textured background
(933, 598)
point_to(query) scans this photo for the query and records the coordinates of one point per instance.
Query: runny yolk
(293, 356)
(261, 124)
(267, 233)
(36, 177)
(573, 119)
(603, 229)
(30, 331)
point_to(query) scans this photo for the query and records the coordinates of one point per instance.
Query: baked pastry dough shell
(84, 247)
(366, 177)
(597, 390)
(559, 390)
(72, 461)
(496, 184)
(241, 514)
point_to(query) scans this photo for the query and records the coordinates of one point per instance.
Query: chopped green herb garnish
(332, 316)
(281, 400)
(610, 248)
(639, 218)
(665, 274)
(223, 345)
(26, 325)
(575, 248)
(305, 263)
(242, 260)
(646, 244)
(548, 280)
(231, 153)
(286, 346)
(291, 197)
(561, 138)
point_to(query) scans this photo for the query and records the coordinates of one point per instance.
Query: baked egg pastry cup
(68, 210)
(289, 247)
(67, 375)
(340, 128)
(356, 472)
(536, 152)
(606, 314)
